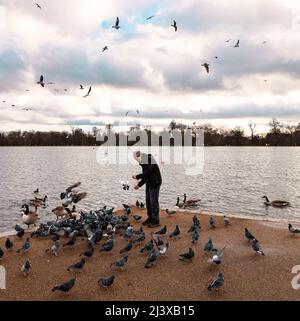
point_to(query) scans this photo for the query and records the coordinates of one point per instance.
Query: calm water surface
(234, 180)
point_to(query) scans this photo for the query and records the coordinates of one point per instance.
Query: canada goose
(170, 213)
(74, 214)
(61, 211)
(191, 202)
(38, 201)
(180, 205)
(29, 217)
(276, 203)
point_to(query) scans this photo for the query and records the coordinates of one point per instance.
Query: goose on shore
(61, 211)
(276, 203)
(29, 217)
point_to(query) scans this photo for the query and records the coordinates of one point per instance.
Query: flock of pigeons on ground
(101, 228)
(117, 26)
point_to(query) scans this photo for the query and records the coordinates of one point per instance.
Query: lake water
(234, 180)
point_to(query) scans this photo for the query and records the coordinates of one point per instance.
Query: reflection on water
(234, 180)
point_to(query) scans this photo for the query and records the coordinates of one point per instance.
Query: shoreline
(247, 275)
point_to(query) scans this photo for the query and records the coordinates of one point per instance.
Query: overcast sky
(149, 66)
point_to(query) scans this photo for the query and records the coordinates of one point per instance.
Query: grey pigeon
(120, 264)
(65, 287)
(151, 259)
(107, 247)
(217, 282)
(257, 247)
(77, 266)
(175, 233)
(106, 282)
(148, 247)
(89, 253)
(54, 248)
(195, 237)
(187, 256)
(217, 258)
(226, 220)
(127, 247)
(25, 247)
(162, 231)
(212, 223)
(249, 236)
(26, 268)
(9, 244)
(293, 230)
(208, 246)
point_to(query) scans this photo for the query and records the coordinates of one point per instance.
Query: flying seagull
(237, 44)
(149, 18)
(38, 6)
(174, 25)
(117, 24)
(41, 81)
(88, 93)
(206, 66)
(228, 40)
(105, 48)
(81, 87)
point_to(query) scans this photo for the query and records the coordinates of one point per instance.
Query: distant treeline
(279, 135)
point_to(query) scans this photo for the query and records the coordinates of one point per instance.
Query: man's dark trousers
(152, 195)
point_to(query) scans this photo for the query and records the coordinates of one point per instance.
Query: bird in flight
(206, 66)
(117, 24)
(81, 87)
(38, 6)
(105, 48)
(228, 40)
(237, 44)
(149, 18)
(174, 25)
(88, 93)
(41, 82)
(216, 57)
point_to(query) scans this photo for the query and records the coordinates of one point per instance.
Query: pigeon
(237, 44)
(9, 244)
(1, 253)
(38, 6)
(54, 249)
(120, 264)
(142, 205)
(107, 247)
(41, 81)
(174, 25)
(196, 221)
(127, 247)
(216, 283)
(175, 233)
(71, 242)
(148, 247)
(65, 287)
(88, 93)
(206, 66)
(187, 257)
(208, 246)
(106, 282)
(137, 218)
(149, 18)
(26, 268)
(25, 247)
(151, 259)
(105, 48)
(217, 258)
(195, 237)
(77, 266)
(212, 222)
(163, 231)
(193, 228)
(257, 247)
(20, 231)
(117, 24)
(249, 236)
(88, 254)
(141, 238)
(293, 230)
(226, 220)
(170, 213)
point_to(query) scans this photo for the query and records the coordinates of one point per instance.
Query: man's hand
(133, 177)
(137, 187)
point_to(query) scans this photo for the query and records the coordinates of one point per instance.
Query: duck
(39, 201)
(61, 211)
(29, 217)
(276, 203)
(191, 202)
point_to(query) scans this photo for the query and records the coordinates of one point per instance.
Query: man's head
(138, 156)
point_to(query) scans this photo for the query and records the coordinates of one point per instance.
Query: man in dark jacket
(152, 178)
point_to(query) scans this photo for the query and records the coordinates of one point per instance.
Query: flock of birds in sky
(104, 225)
(117, 26)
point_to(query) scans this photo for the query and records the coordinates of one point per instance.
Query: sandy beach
(247, 275)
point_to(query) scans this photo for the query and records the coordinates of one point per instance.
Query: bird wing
(70, 188)
(117, 22)
(41, 78)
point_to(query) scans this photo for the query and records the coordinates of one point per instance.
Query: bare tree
(252, 127)
(291, 129)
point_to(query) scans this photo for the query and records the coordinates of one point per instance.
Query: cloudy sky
(149, 66)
